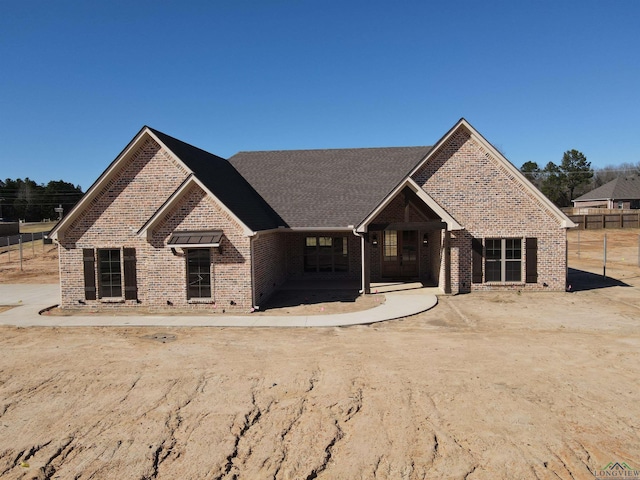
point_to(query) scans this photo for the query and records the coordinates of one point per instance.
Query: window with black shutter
(89, 261)
(109, 273)
(476, 266)
(130, 279)
(531, 244)
(503, 262)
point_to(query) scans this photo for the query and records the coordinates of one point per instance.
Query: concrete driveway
(28, 300)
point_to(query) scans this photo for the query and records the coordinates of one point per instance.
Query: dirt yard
(484, 386)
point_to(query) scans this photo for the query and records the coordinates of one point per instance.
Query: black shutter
(532, 260)
(130, 280)
(89, 260)
(476, 266)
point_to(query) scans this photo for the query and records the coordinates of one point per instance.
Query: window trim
(100, 273)
(503, 260)
(196, 299)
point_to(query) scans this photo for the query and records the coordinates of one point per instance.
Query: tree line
(573, 176)
(32, 202)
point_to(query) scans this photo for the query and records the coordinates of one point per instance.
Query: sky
(79, 79)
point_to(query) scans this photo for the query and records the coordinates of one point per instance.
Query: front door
(400, 254)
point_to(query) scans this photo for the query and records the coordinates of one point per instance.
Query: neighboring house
(168, 224)
(622, 192)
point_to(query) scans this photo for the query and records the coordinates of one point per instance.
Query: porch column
(447, 261)
(366, 263)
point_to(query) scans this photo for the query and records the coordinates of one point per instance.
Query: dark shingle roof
(621, 188)
(327, 188)
(226, 183)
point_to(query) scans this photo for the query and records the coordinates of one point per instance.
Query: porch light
(425, 239)
(374, 239)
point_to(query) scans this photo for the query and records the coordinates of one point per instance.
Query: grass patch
(36, 227)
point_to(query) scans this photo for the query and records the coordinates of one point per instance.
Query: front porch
(326, 296)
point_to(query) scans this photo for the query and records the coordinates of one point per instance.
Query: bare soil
(484, 386)
(39, 265)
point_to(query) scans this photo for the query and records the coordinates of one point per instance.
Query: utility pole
(59, 211)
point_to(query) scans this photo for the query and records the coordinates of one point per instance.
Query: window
(109, 273)
(326, 254)
(390, 245)
(113, 266)
(198, 273)
(503, 261)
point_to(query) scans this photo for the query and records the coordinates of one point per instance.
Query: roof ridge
(333, 149)
(158, 132)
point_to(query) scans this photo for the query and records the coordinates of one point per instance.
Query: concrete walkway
(31, 299)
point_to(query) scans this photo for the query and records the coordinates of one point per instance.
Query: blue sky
(78, 79)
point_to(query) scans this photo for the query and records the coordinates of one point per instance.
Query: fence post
(9, 247)
(604, 258)
(20, 243)
(578, 243)
(33, 246)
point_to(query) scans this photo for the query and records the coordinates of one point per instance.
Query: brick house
(170, 225)
(619, 193)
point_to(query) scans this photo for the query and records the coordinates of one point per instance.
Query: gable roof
(542, 200)
(301, 189)
(408, 182)
(215, 174)
(225, 183)
(336, 188)
(621, 188)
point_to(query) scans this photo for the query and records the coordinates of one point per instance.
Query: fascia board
(362, 228)
(247, 231)
(319, 229)
(564, 220)
(166, 206)
(452, 224)
(175, 199)
(595, 199)
(102, 179)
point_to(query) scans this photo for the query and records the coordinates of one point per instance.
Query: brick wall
(143, 183)
(269, 270)
(231, 263)
(490, 202)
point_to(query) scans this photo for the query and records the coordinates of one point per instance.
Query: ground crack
(250, 419)
(466, 477)
(172, 424)
(328, 452)
(47, 470)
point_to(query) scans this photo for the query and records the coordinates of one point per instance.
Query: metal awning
(202, 238)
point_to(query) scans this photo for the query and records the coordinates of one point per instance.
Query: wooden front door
(400, 254)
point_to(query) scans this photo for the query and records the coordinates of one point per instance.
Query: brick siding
(490, 202)
(270, 264)
(123, 206)
(462, 177)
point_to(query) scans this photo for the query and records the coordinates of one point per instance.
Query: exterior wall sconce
(374, 239)
(425, 239)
